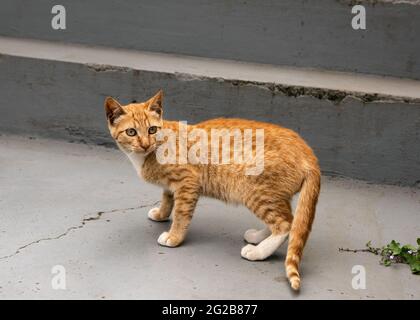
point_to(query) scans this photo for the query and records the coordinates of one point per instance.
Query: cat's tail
(301, 225)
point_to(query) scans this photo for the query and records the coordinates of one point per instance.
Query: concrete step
(301, 33)
(365, 127)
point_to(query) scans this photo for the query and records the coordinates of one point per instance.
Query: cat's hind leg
(264, 249)
(278, 217)
(256, 236)
(164, 211)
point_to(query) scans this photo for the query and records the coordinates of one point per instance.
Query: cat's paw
(252, 236)
(251, 252)
(256, 236)
(165, 239)
(154, 214)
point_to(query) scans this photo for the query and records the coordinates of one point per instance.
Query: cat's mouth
(144, 151)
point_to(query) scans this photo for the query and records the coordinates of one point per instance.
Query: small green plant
(393, 252)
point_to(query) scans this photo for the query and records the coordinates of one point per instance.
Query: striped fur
(290, 166)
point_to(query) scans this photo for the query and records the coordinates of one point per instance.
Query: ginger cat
(289, 166)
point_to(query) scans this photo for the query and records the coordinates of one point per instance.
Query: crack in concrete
(297, 91)
(89, 218)
(332, 95)
(335, 96)
(107, 68)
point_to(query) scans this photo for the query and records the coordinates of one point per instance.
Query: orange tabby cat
(289, 166)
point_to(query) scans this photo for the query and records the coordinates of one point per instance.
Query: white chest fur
(137, 160)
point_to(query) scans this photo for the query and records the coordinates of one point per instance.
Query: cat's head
(134, 126)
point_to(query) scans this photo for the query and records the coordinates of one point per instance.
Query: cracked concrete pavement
(83, 207)
(89, 218)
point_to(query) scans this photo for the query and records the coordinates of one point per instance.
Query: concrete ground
(83, 207)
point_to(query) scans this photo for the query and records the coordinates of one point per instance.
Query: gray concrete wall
(366, 138)
(301, 33)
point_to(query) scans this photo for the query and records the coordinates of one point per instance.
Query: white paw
(251, 236)
(155, 216)
(256, 236)
(165, 240)
(250, 252)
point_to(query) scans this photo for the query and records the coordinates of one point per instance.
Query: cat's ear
(113, 109)
(155, 103)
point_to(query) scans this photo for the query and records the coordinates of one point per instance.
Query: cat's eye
(153, 130)
(131, 132)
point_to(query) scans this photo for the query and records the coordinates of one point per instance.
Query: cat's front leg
(185, 199)
(164, 211)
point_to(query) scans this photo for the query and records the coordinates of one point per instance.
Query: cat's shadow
(146, 235)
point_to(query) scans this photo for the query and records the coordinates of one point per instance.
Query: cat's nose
(144, 144)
